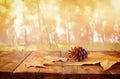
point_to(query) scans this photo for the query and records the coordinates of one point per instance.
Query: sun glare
(17, 12)
(69, 20)
(116, 4)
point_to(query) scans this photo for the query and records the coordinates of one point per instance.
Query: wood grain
(52, 69)
(9, 61)
(12, 65)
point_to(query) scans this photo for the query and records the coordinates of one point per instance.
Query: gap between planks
(30, 52)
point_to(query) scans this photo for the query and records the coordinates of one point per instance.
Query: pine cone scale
(77, 54)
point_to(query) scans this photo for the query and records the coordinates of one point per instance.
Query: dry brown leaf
(54, 58)
(93, 58)
(106, 64)
(40, 61)
(86, 61)
(105, 61)
(35, 62)
(108, 61)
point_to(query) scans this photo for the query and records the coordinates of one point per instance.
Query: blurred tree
(6, 21)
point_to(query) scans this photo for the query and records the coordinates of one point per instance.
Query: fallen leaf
(108, 61)
(36, 62)
(106, 64)
(41, 61)
(105, 61)
(54, 58)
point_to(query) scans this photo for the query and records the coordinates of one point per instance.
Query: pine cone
(77, 54)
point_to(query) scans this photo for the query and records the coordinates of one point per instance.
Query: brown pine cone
(77, 54)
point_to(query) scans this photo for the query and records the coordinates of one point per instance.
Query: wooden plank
(59, 70)
(23, 66)
(90, 69)
(9, 61)
(97, 69)
(69, 69)
(6, 75)
(69, 72)
(73, 69)
(50, 76)
(24, 72)
(52, 71)
(115, 69)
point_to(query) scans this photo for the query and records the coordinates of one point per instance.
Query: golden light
(116, 4)
(49, 9)
(87, 10)
(59, 29)
(68, 20)
(18, 10)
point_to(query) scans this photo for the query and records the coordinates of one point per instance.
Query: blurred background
(59, 24)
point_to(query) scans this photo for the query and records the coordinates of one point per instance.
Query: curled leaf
(41, 61)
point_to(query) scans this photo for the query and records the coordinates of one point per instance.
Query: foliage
(58, 22)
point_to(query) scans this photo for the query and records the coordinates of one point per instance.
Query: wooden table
(13, 66)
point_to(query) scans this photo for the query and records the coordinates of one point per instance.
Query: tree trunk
(38, 12)
(26, 43)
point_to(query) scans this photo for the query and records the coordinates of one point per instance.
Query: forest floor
(63, 47)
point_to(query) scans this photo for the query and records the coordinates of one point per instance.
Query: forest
(59, 24)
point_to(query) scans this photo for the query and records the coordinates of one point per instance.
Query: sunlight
(87, 10)
(95, 37)
(59, 29)
(116, 4)
(58, 22)
(18, 10)
(48, 10)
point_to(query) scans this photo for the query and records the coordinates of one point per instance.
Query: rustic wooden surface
(13, 66)
(9, 61)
